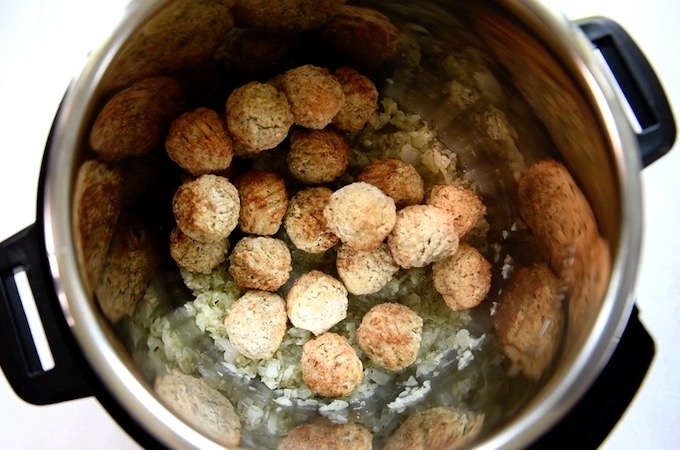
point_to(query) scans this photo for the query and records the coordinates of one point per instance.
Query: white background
(43, 44)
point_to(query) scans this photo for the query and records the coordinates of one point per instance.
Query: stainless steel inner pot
(558, 96)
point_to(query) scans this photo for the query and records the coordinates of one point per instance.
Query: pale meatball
(316, 302)
(529, 319)
(256, 324)
(361, 100)
(390, 335)
(365, 271)
(398, 179)
(199, 142)
(361, 215)
(315, 96)
(285, 15)
(194, 256)
(436, 428)
(305, 223)
(463, 279)
(330, 366)
(323, 434)
(422, 235)
(318, 156)
(262, 263)
(264, 201)
(207, 209)
(258, 116)
(201, 405)
(465, 206)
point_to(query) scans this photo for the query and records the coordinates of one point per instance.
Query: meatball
(262, 263)
(316, 302)
(194, 256)
(361, 100)
(529, 319)
(285, 15)
(436, 428)
(264, 201)
(323, 434)
(361, 215)
(198, 141)
(258, 116)
(256, 324)
(365, 272)
(330, 366)
(318, 156)
(315, 96)
(206, 209)
(465, 206)
(422, 235)
(305, 223)
(201, 405)
(398, 179)
(463, 279)
(390, 335)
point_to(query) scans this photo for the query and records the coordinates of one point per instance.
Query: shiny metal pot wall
(569, 105)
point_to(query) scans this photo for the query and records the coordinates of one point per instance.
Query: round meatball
(207, 209)
(285, 15)
(264, 201)
(465, 206)
(390, 335)
(305, 223)
(365, 272)
(194, 256)
(463, 279)
(318, 156)
(361, 100)
(316, 302)
(422, 235)
(322, 434)
(262, 263)
(258, 116)
(256, 324)
(398, 179)
(437, 427)
(330, 366)
(361, 215)
(198, 141)
(315, 96)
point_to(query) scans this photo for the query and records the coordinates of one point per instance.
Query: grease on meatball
(264, 201)
(462, 279)
(330, 366)
(316, 302)
(318, 156)
(305, 223)
(398, 179)
(365, 272)
(262, 263)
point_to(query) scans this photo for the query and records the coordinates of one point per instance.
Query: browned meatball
(398, 179)
(305, 223)
(315, 96)
(423, 234)
(365, 272)
(285, 15)
(198, 141)
(323, 434)
(330, 366)
(463, 279)
(194, 256)
(256, 324)
(361, 100)
(264, 201)
(390, 335)
(318, 156)
(261, 263)
(465, 206)
(258, 116)
(530, 319)
(316, 302)
(361, 215)
(206, 209)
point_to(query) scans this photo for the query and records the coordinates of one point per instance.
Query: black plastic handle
(639, 84)
(19, 357)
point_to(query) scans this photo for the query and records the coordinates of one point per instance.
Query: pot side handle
(36, 382)
(639, 84)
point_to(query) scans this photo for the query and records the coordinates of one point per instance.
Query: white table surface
(43, 44)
